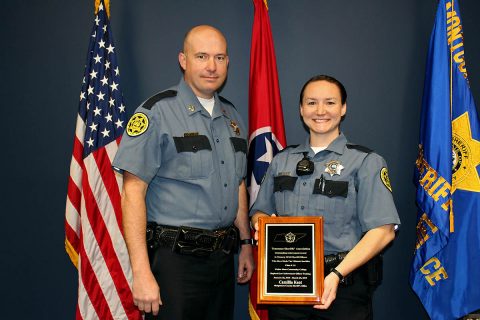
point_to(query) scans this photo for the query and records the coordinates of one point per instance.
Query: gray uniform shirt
(192, 162)
(349, 188)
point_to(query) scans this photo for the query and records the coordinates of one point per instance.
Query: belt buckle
(192, 241)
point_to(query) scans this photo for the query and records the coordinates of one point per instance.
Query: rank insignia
(235, 127)
(191, 108)
(385, 179)
(137, 124)
(334, 167)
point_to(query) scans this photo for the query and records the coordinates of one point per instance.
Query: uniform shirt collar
(192, 105)
(337, 145)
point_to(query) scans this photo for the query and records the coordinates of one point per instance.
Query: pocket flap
(283, 183)
(239, 144)
(192, 143)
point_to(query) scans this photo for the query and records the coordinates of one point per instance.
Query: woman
(345, 183)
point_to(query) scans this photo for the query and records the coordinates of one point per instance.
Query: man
(183, 162)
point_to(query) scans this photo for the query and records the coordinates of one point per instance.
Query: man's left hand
(245, 264)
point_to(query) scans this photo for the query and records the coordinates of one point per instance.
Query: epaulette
(159, 96)
(226, 101)
(288, 147)
(359, 148)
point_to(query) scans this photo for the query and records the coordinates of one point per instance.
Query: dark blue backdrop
(377, 48)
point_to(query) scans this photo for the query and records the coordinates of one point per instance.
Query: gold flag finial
(266, 3)
(107, 6)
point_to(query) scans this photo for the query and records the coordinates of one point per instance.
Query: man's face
(204, 61)
(322, 109)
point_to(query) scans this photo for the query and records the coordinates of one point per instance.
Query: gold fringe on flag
(266, 4)
(107, 6)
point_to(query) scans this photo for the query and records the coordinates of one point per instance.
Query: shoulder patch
(385, 179)
(359, 148)
(226, 101)
(137, 124)
(159, 96)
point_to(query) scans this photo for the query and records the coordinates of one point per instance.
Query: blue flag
(445, 271)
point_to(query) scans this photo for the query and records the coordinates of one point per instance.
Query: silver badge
(334, 167)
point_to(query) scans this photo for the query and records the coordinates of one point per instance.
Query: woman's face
(322, 109)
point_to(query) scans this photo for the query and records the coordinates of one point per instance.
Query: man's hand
(146, 293)
(245, 264)
(330, 286)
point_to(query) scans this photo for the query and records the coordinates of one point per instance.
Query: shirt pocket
(283, 187)
(194, 157)
(240, 149)
(334, 194)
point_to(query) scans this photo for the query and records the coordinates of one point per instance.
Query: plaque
(290, 260)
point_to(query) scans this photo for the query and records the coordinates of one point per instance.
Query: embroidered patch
(137, 124)
(385, 178)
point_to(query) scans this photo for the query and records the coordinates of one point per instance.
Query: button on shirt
(192, 162)
(351, 202)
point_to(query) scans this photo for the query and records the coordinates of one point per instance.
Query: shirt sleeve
(375, 203)
(140, 154)
(265, 201)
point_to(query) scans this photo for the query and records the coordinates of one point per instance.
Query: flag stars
(100, 7)
(101, 43)
(107, 65)
(106, 133)
(114, 86)
(105, 28)
(104, 81)
(110, 48)
(93, 74)
(94, 34)
(88, 106)
(90, 90)
(97, 111)
(93, 126)
(119, 123)
(97, 21)
(90, 142)
(100, 96)
(108, 117)
(97, 58)
(82, 95)
(111, 102)
(121, 108)
(117, 71)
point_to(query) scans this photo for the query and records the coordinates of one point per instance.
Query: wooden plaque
(290, 260)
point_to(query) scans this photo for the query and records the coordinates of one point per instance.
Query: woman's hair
(322, 77)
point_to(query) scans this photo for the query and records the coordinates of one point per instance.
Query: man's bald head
(201, 31)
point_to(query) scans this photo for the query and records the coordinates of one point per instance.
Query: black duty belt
(191, 241)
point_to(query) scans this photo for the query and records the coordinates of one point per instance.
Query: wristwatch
(339, 275)
(246, 241)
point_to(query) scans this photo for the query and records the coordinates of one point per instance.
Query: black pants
(194, 287)
(353, 302)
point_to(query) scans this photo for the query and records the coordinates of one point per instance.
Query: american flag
(93, 217)
(265, 120)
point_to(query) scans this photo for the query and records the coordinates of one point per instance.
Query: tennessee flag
(265, 119)
(445, 273)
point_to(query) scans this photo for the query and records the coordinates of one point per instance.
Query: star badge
(235, 127)
(334, 167)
